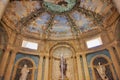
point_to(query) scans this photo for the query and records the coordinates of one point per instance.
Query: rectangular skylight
(94, 42)
(30, 45)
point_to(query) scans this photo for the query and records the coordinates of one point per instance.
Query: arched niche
(102, 68)
(68, 54)
(19, 66)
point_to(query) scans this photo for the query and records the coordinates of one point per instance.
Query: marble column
(40, 68)
(4, 62)
(87, 76)
(115, 62)
(80, 74)
(3, 5)
(46, 68)
(11, 64)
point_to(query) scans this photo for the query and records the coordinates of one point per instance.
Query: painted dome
(57, 19)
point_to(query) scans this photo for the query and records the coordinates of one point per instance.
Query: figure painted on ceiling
(24, 72)
(62, 3)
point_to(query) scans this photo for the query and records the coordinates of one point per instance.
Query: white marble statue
(101, 70)
(24, 73)
(63, 67)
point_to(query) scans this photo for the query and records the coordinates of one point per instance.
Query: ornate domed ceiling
(57, 19)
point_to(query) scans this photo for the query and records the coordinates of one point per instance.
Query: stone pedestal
(65, 78)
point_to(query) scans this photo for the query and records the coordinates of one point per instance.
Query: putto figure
(24, 73)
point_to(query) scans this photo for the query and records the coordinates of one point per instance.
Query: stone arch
(62, 44)
(19, 65)
(101, 63)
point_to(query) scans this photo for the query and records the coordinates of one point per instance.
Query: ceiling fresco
(20, 9)
(82, 22)
(61, 26)
(59, 5)
(57, 19)
(40, 24)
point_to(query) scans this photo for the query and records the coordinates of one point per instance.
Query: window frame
(90, 41)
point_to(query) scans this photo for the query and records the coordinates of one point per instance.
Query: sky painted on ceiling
(60, 26)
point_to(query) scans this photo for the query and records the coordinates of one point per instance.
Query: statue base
(65, 78)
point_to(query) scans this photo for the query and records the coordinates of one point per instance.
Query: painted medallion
(59, 5)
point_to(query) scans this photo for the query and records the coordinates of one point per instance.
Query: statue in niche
(101, 70)
(24, 73)
(63, 68)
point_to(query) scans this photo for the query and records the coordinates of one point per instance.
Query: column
(10, 67)
(40, 68)
(75, 68)
(46, 68)
(50, 68)
(4, 62)
(115, 62)
(3, 4)
(118, 50)
(87, 76)
(80, 74)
